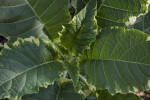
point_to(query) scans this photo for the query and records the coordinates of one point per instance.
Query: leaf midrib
(116, 60)
(14, 6)
(121, 9)
(109, 20)
(76, 35)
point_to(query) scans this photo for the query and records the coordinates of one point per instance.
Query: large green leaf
(18, 20)
(81, 30)
(104, 95)
(120, 12)
(143, 24)
(63, 91)
(119, 60)
(52, 14)
(26, 65)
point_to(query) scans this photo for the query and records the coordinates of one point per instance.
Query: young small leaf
(72, 67)
(81, 30)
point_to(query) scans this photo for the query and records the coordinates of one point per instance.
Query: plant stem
(65, 74)
(84, 81)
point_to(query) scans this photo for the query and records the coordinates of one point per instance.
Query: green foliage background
(74, 50)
